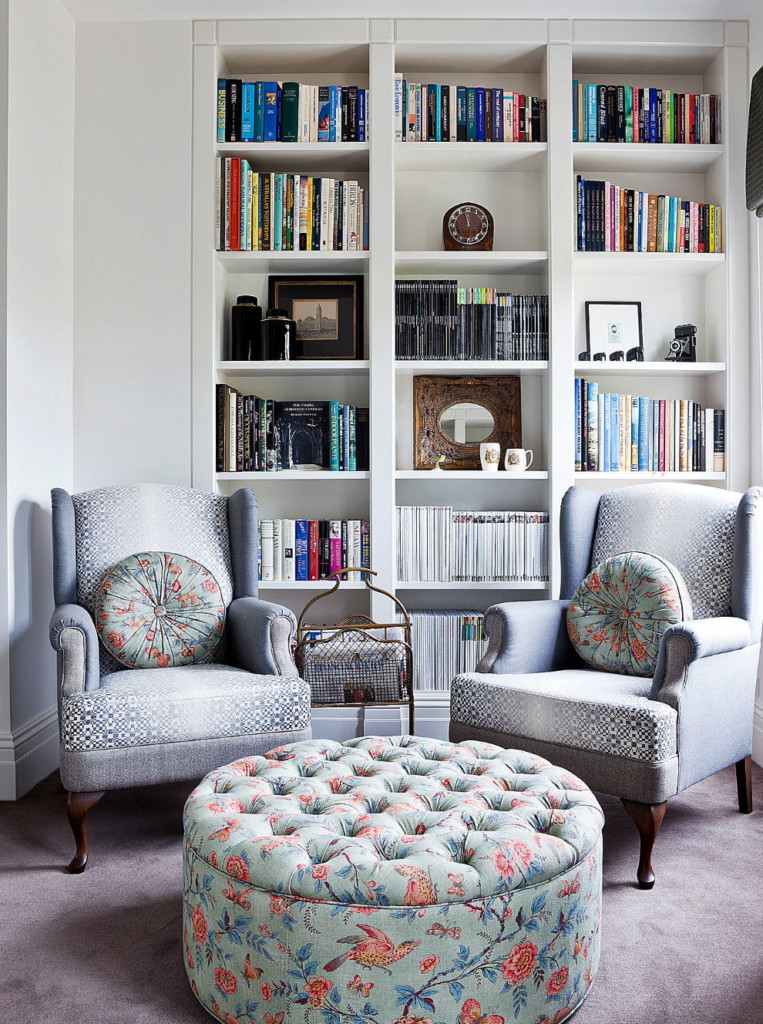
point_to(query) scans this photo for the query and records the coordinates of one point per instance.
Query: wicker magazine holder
(357, 662)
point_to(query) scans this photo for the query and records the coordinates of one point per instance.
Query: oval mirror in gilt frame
(440, 417)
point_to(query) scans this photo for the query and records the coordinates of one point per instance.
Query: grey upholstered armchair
(643, 740)
(134, 727)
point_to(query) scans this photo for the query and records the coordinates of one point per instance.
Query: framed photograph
(328, 312)
(614, 329)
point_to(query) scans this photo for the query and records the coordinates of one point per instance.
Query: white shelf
(675, 157)
(295, 368)
(644, 475)
(293, 262)
(471, 367)
(435, 262)
(471, 474)
(470, 156)
(490, 585)
(299, 156)
(313, 475)
(309, 584)
(647, 262)
(600, 368)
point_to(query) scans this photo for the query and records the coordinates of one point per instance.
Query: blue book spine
(461, 113)
(300, 549)
(643, 434)
(361, 115)
(471, 114)
(334, 94)
(614, 434)
(271, 111)
(480, 108)
(606, 444)
(673, 240)
(591, 119)
(345, 437)
(578, 427)
(633, 450)
(247, 112)
(497, 135)
(259, 111)
(575, 110)
(221, 110)
(277, 201)
(653, 116)
(438, 113)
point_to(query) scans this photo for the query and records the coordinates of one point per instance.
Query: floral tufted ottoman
(391, 880)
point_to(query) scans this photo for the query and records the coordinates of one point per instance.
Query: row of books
(626, 113)
(623, 433)
(445, 644)
(614, 219)
(290, 112)
(439, 320)
(280, 211)
(443, 544)
(311, 549)
(261, 435)
(458, 113)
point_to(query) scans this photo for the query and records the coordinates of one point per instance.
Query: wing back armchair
(643, 740)
(133, 727)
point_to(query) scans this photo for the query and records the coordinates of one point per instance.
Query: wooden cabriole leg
(648, 818)
(77, 807)
(744, 784)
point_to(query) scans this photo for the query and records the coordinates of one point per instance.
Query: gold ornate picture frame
(432, 396)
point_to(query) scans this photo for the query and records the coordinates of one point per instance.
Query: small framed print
(613, 330)
(328, 312)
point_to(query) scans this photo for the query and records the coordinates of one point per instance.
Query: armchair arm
(687, 642)
(526, 637)
(261, 635)
(73, 636)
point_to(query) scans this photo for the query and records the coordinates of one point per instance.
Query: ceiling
(181, 10)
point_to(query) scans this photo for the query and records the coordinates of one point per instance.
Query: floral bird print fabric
(391, 880)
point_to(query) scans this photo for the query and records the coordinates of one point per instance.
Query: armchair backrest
(94, 530)
(713, 537)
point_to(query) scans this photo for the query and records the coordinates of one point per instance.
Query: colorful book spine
(300, 550)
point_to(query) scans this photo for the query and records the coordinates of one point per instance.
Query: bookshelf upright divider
(530, 190)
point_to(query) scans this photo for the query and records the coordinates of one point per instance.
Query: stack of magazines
(442, 544)
(445, 644)
(439, 320)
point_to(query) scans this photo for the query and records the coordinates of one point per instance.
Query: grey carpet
(104, 946)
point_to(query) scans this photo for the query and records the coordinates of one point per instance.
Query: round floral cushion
(619, 612)
(391, 880)
(159, 610)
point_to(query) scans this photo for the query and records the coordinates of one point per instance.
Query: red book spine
(692, 118)
(312, 550)
(661, 450)
(235, 204)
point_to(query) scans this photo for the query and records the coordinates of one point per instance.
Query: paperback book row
(280, 211)
(290, 112)
(445, 644)
(443, 544)
(458, 113)
(625, 113)
(257, 435)
(311, 549)
(439, 320)
(614, 219)
(622, 433)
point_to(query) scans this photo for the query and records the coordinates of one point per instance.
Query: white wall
(132, 237)
(37, 362)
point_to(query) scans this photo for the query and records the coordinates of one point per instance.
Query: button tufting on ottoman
(391, 880)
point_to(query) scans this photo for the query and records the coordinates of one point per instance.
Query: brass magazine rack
(357, 662)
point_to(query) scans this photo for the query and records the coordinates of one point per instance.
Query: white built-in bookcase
(529, 188)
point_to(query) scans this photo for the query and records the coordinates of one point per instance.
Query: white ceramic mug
(490, 456)
(517, 460)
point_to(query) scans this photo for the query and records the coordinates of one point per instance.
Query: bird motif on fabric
(377, 950)
(419, 892)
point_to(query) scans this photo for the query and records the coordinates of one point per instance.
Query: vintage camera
(683, 347)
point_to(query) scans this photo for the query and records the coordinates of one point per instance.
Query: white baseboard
(757, 733)
(28, 754)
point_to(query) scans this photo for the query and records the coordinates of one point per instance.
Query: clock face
(468, 224)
